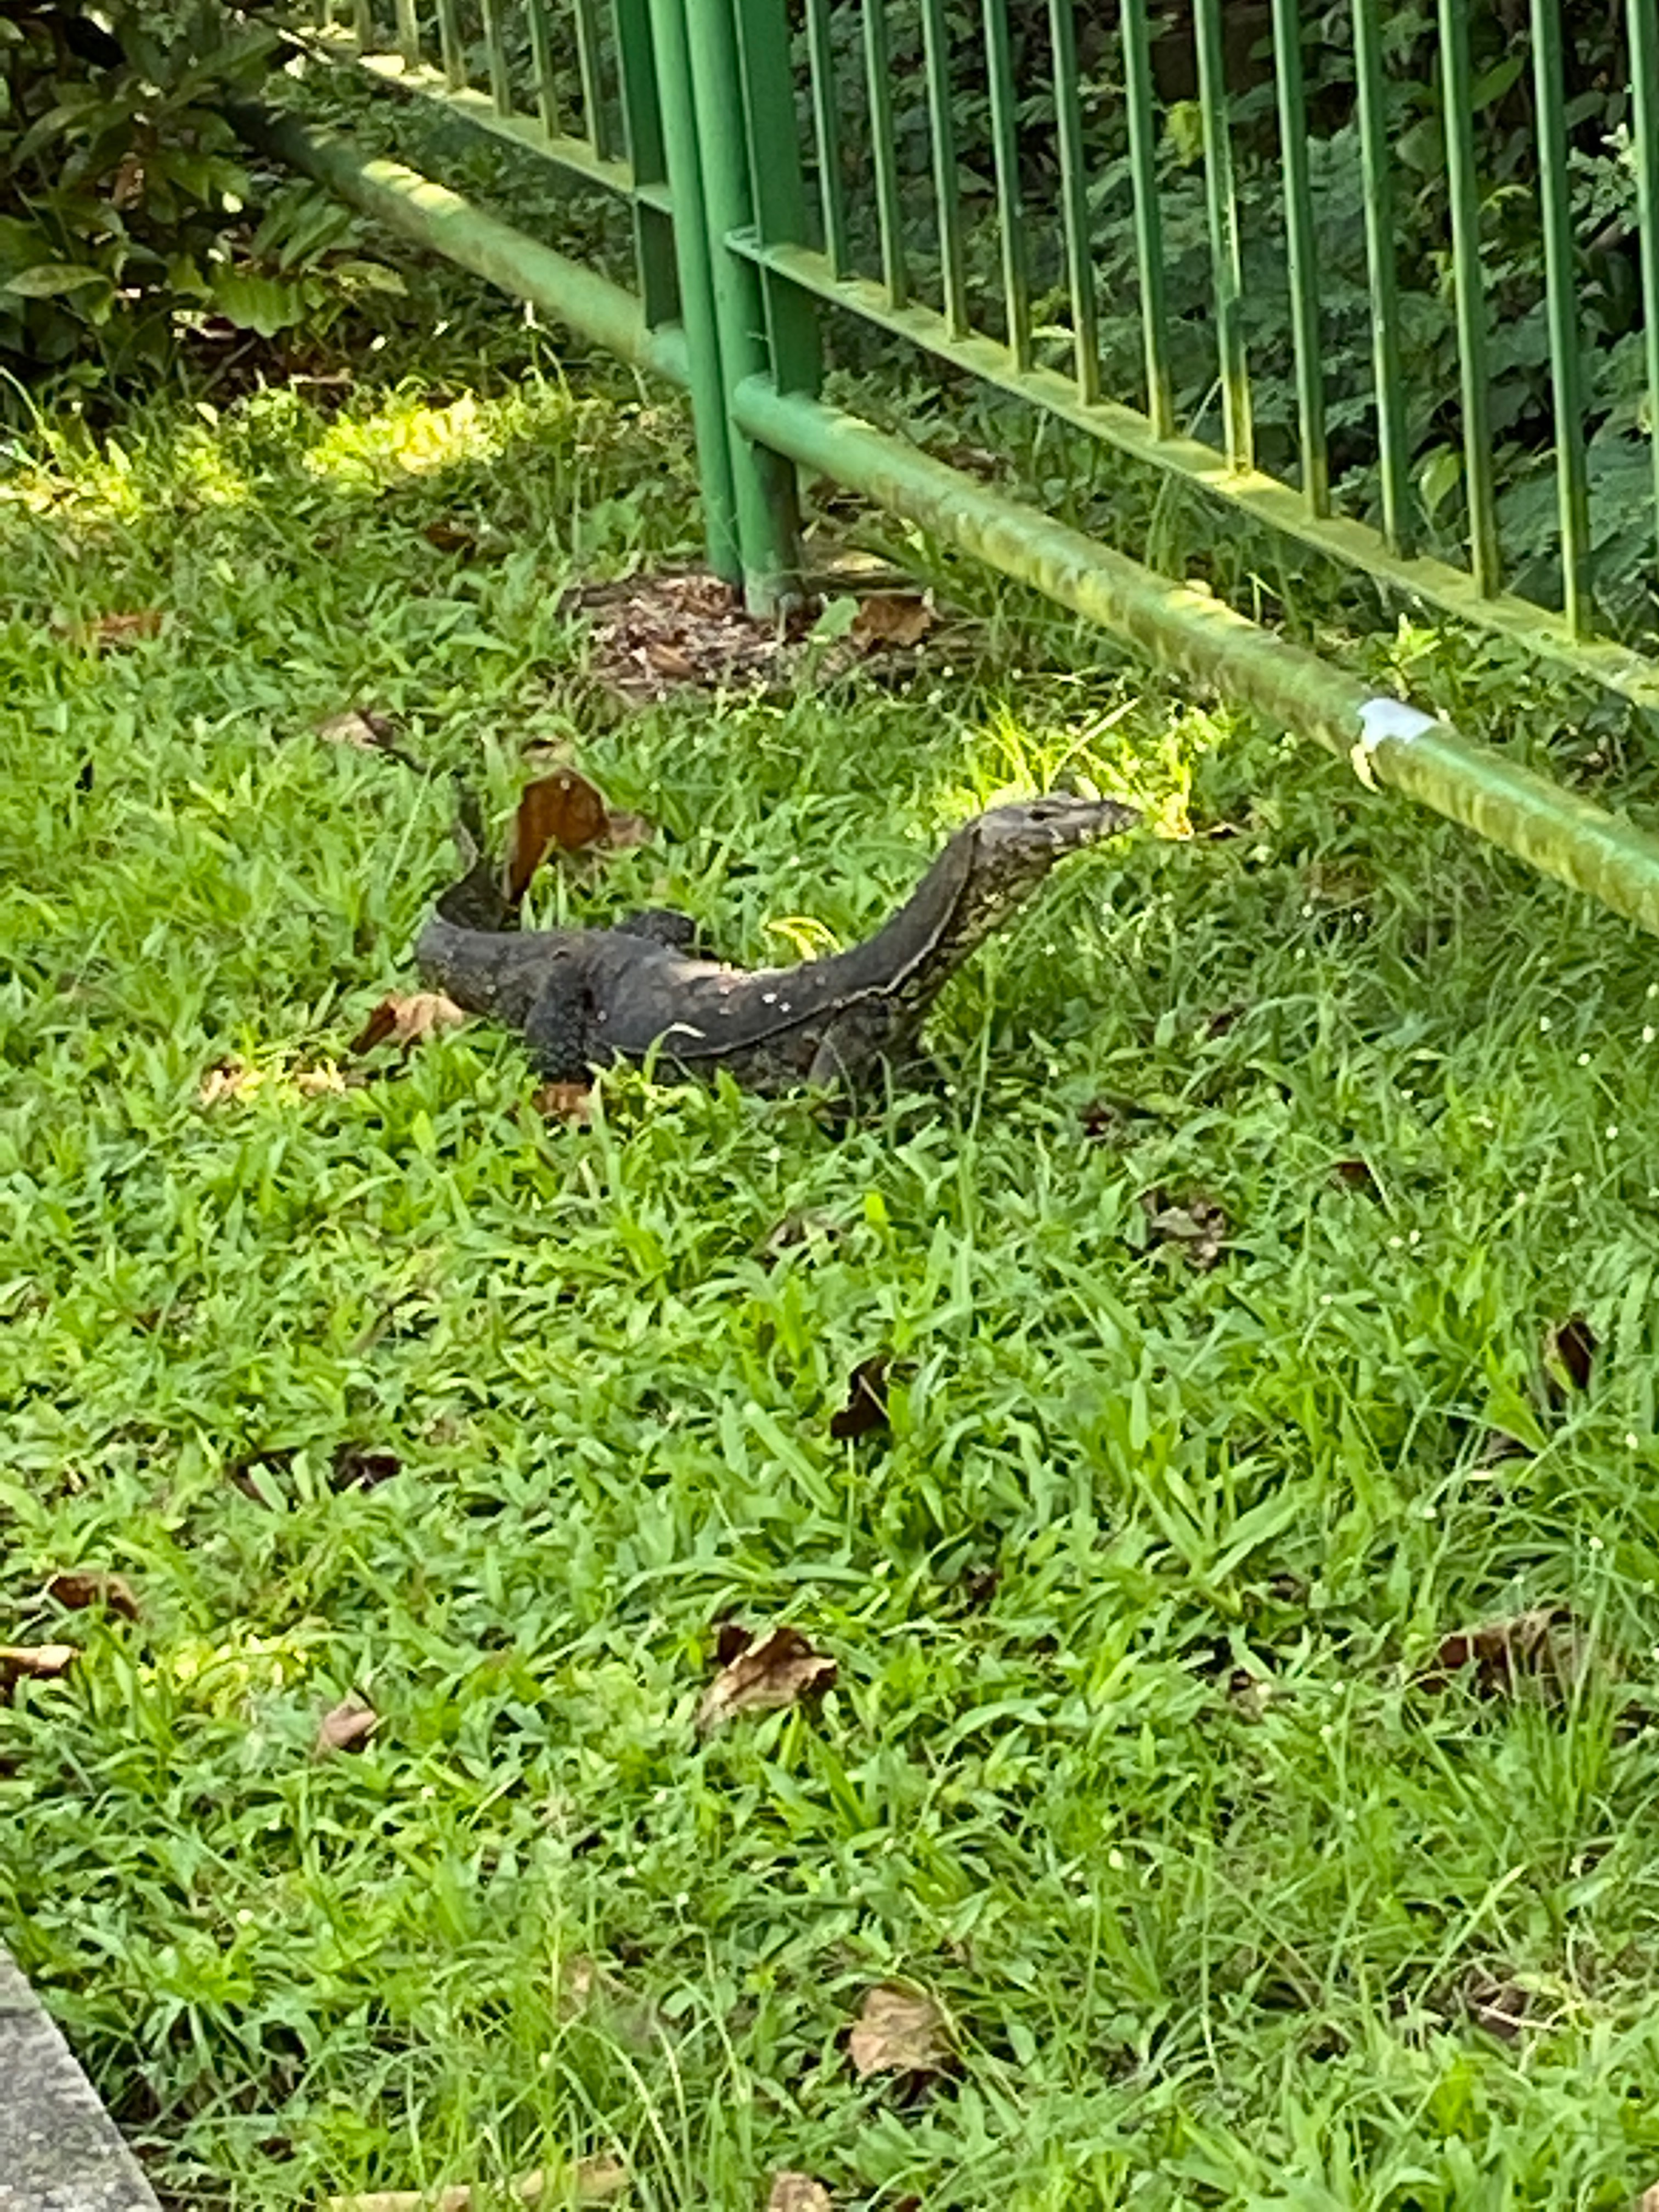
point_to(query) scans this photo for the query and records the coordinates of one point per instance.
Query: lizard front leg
(562, 1030)
(853, 1042)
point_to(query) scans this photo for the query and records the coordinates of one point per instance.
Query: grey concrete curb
(59, 2151)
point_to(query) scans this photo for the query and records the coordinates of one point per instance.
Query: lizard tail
(477, 898)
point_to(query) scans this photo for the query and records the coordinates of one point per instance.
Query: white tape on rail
(1384, 721)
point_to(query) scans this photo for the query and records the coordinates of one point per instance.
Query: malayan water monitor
(585, 998)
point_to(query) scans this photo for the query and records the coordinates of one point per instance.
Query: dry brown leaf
(227, 1078)
(796, 1230)
(1198, 1224)
(406, 1019)
(564, 1101)
(1543, 1646)
(1648, 2200)
(356, 1468)
(78, 1587)
(1570, 1351)
(563, 811)
(1494, 2003)
(348, 1726)
(589, 2181)
(891, 618)
(623, 829)
(40, 1662)
(128, 185)
(321, 1082)
(450, 536)
(668, 660)
(799, 2193)
(899, 2031)
(367, 733)
(866, 1409)
(124, 630)
(761, 1675)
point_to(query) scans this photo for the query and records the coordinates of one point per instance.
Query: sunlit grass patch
(1134, 1760)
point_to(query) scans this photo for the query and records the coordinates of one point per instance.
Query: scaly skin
(586, 998)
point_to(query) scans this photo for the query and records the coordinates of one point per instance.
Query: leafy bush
(129, 207)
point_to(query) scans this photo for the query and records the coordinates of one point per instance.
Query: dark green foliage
(1606, 277)
(131, 217)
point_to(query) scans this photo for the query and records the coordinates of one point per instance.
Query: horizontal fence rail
(1382, 277)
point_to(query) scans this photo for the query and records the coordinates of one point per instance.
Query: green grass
(1200, 1945)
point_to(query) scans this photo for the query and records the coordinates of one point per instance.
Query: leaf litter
(865, 1408)
(406, 1018)
(761, 1673)
(347, 1726)
(587, 2181)
(652, 635)
(34, 1663)
(1197, 1226)
(1544, 1648)
(79, 1587)
(798, 2193)
(899, 2031)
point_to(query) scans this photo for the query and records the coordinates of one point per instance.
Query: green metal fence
(1384, 279)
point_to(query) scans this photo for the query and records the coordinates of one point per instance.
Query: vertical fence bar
(542, 65)
(500, 82)
(450, 45)
(1644, 88)
(826, 127)
(947, 195)
(587, 65)
(1469, 283)
(1074, 187)
(1149, 225)
(408, 34)
(1555, 210)
(778, 189)
(762, 481)
(1221, 207)
(697, 290)
(642, 115)
(1383, 283)
(1004, 154)
(1302, 253)
(895, 273)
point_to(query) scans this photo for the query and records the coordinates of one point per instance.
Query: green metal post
(1004, 164)
(641, 114)
(450, 45)
(1299, 239)
(697, 290)
(763, 483)
(1644, 90)
(501, 80)
(1468, 277)
(1555, 199)
(1074, 189)
(883, 157)
(826, 123)
(1149, 222)
(541, 62)
(1221, 201)
(587, 64)
(1378, 184)
(947, 196)
(777, 188)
